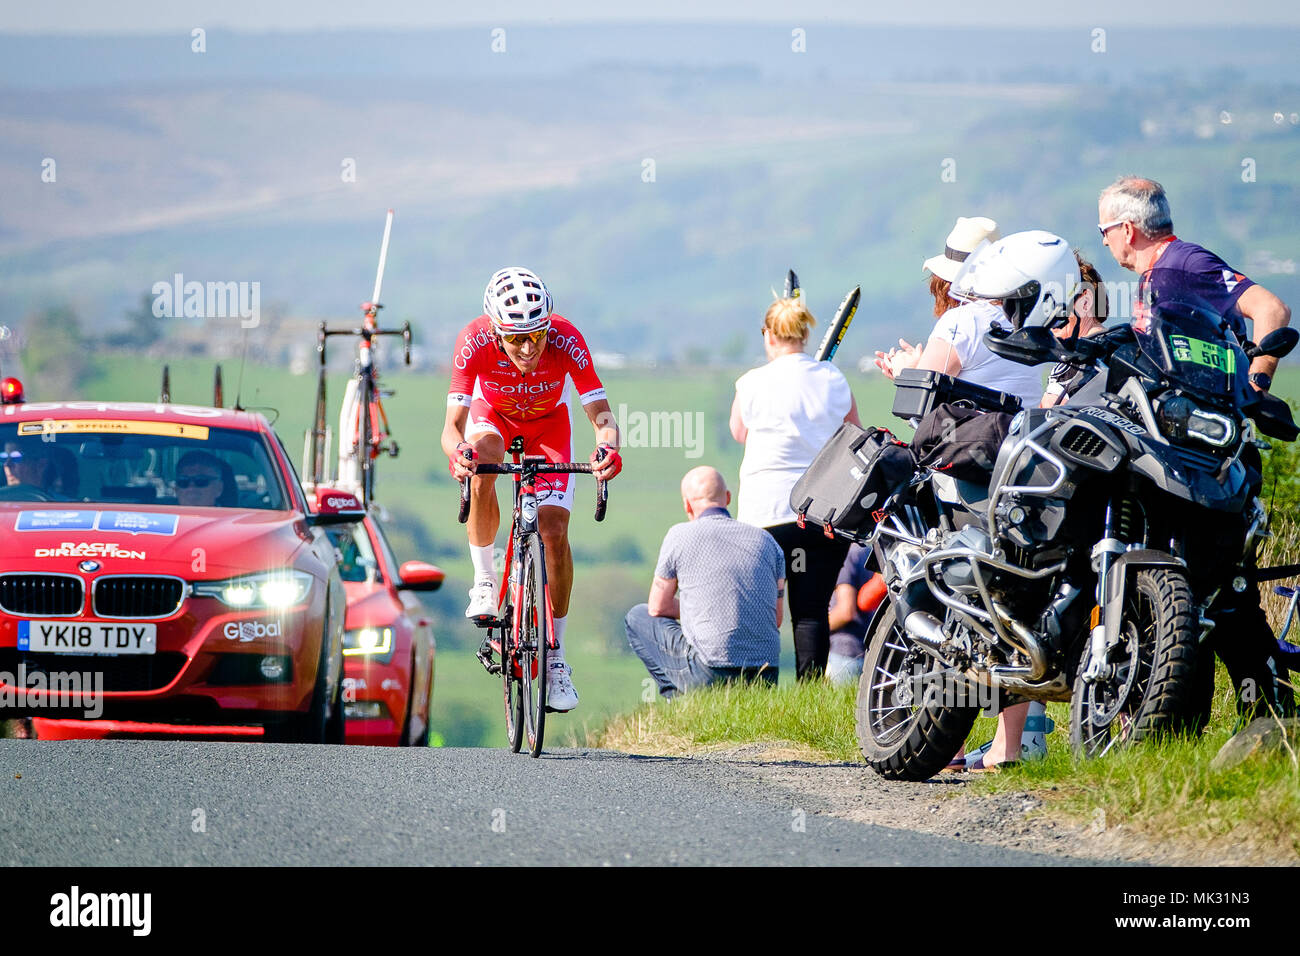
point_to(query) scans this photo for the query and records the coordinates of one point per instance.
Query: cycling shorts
(549, 435)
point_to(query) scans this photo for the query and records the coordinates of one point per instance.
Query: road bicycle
(524, 629)
(364, 432)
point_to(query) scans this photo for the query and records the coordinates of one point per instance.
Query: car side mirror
(335, 508)
(420, 576)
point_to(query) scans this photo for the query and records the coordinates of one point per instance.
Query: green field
(615, 560)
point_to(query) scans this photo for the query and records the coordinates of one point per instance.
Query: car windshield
(356, 558)
(138, 462)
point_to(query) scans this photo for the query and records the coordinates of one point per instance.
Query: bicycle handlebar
(540, 468)
(323, 333)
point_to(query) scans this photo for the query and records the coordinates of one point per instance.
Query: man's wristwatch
(1261, 381)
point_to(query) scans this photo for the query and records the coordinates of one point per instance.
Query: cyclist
(509, 379)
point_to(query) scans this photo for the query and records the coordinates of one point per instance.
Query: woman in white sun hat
(956, 346)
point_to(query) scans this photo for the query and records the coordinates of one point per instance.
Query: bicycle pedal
(484, 655)
(484, 620)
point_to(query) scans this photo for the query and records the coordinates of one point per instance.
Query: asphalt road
(173, 803)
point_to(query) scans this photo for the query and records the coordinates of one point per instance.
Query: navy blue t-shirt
(849, 642)
(1187, 267)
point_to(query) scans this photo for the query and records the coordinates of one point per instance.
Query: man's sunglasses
(518, 338)
(196, 481)
(1106, 227)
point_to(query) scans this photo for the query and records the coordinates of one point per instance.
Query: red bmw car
(162, 571)
(388, 646)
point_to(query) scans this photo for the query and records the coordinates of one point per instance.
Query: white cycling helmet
(517, 301)
(1034, 273)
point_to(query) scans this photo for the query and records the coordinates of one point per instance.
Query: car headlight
(271, 589)
(371, 641)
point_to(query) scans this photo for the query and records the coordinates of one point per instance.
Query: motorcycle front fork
(1104, 553)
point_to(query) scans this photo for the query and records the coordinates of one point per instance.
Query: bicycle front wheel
(512, 689)
(535, 637)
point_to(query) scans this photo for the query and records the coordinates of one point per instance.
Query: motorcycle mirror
(1276, 344)
(1031, 345)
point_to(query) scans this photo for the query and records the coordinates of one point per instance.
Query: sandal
(978, 766)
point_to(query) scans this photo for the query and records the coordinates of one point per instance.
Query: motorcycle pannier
(852, 476)
(917, 392)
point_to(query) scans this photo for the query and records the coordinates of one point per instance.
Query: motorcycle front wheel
(1149, 677)
(908, 728)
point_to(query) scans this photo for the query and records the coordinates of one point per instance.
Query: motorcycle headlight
(1180, 419)
(271, 589)
(368, 640)
(1211, 428)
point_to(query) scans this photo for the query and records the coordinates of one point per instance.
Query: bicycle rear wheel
(535, 637)
(317, 447)
(364, 437)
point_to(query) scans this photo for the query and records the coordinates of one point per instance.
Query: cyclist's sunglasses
(519, 338)
(196, 481)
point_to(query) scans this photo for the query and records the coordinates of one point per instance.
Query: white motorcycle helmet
(1034, 274)
(517, 301)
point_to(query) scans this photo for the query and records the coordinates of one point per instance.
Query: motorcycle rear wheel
(900, 737)
(1152, 681)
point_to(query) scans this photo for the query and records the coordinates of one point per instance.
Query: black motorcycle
(1084, 569)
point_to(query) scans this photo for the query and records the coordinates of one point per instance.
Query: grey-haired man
(1137, 228)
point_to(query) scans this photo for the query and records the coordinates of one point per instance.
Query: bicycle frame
(523, 524)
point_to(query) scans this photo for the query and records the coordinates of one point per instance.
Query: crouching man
(714, 612)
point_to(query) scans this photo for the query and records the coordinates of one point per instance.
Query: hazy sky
(163, 16)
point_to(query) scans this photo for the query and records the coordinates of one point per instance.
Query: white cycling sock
(482, 558)
(558, 653)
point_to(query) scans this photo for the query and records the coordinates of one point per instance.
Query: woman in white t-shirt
(956, 347)
(783, 413)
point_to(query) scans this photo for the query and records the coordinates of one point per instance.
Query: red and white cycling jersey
(482, 370)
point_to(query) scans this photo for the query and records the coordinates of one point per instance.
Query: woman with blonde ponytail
(783, 413)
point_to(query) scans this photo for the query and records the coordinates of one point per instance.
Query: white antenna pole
(383, 257)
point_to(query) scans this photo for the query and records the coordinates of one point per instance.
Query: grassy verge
(811, 721)
(1160, 790)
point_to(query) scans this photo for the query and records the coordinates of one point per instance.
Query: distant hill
(228, 166)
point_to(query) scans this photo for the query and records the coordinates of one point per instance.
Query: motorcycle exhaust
(1017, 679)
(924, 628)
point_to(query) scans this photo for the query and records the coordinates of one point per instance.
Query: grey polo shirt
(726, 573)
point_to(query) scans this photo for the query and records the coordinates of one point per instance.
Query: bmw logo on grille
(89, 566)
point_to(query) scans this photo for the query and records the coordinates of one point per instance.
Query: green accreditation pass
(1198, 352)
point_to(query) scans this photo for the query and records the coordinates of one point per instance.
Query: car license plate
(87, 637)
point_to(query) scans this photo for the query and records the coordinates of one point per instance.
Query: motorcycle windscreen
(1186, 337)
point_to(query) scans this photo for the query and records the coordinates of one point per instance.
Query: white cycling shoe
(560, 695)
(482, 600)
